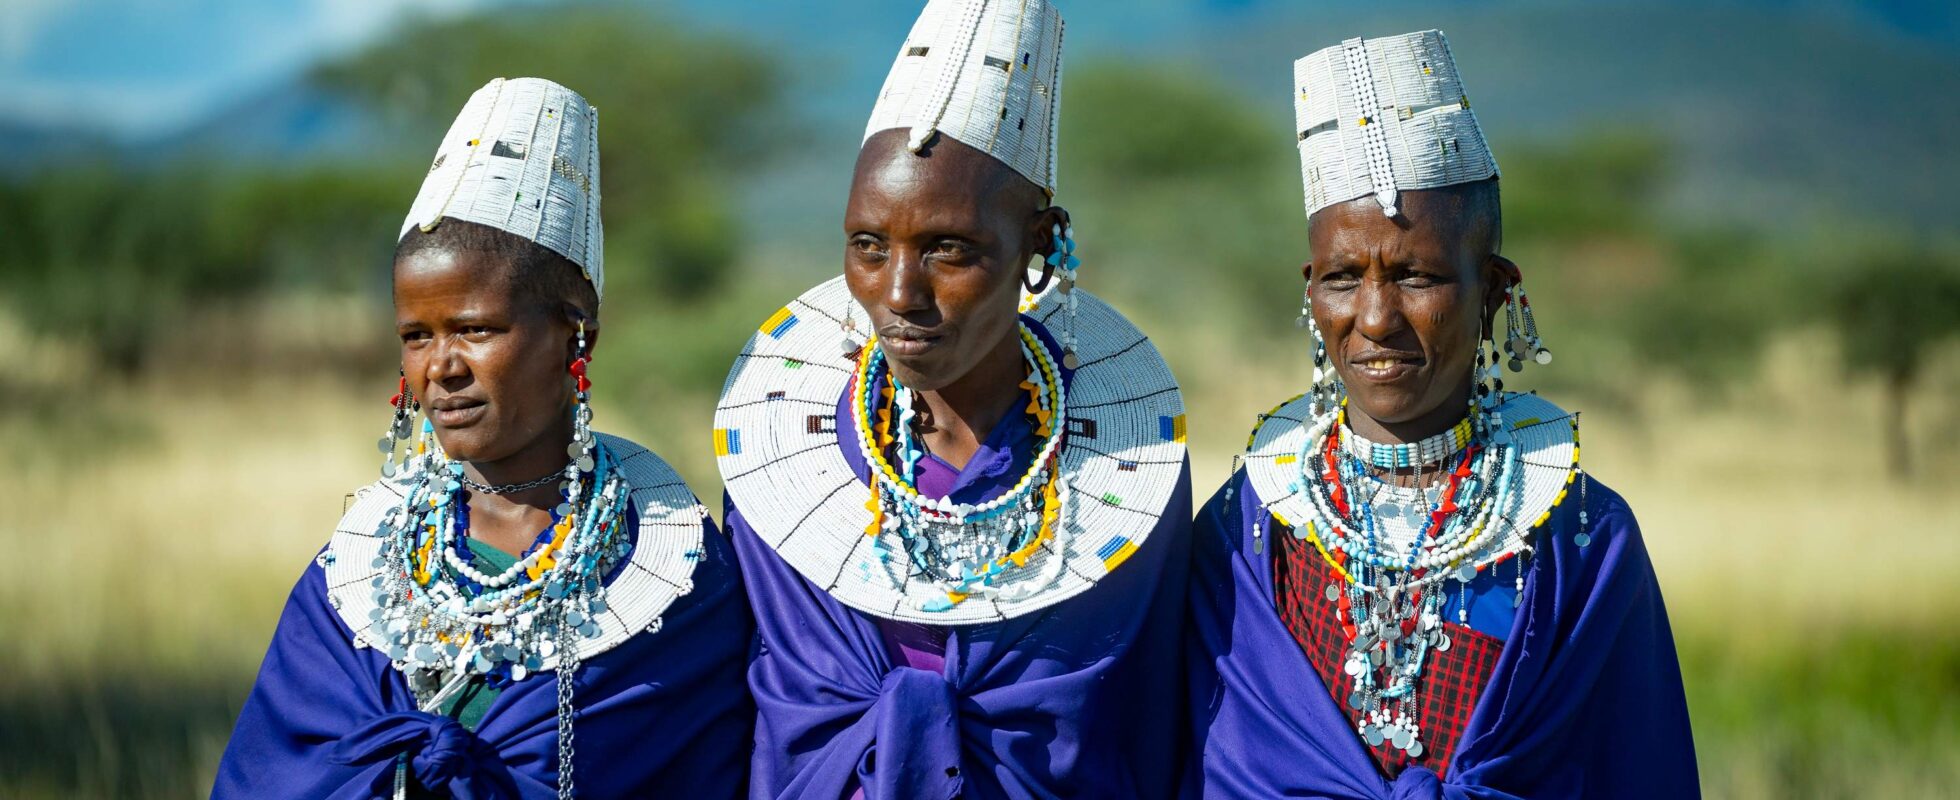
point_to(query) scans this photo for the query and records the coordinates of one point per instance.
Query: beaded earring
(849, 337)
(581, 448)
(1326, 388)
(1521, 330)
(400, 426)
(1062, 259)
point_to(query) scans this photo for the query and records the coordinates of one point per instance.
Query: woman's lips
(1384, 370)
(911, 346)
(457, 415)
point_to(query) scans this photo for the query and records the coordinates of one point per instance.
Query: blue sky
(147, 67)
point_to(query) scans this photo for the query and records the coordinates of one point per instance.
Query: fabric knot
(443, 754)
(1417, 782)
(917, 752)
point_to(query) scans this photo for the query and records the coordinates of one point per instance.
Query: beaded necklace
(962, 548)
(1392, 602)
(443, 622)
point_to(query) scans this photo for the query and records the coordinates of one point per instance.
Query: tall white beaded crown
(522, 157)
(985, 72)
(1379, 116)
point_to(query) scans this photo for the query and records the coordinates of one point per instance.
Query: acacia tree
(1890, 311)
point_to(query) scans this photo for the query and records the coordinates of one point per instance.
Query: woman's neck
(510, 521)
(965, 411)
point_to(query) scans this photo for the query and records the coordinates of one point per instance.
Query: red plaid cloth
(1451, 680)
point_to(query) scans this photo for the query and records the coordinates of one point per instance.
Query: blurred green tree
(117, 256)
(680, 113)
(1890, 311)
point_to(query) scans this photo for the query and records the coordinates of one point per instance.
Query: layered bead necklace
(1391, 596)
(444, 623)
(965, 549)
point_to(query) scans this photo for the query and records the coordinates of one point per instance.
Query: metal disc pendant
(1401, 738)
(386, 445)
(1070, 361)
(1543, 357)
(1414, 749)
(1354, 700)
(1515, 365)
(1467, 574)
(1582, 539)
(1373, 736)
(1333, 593)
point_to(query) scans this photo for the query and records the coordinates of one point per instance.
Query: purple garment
(1076, 700)
(1586, 699)
(662, 714)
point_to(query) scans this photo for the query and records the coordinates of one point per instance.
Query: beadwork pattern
(1117, 469)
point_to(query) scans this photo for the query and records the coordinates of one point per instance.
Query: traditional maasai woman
(514, 578)
(1411, 590)
(965, 534)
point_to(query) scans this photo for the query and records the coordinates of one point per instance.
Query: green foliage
(114, 260)
(680, 114)
(118, 257)
(1177, 181)
(1892, 306)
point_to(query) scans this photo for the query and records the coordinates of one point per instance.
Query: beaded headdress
(985, 72)
(1380, 116)
(522, 157)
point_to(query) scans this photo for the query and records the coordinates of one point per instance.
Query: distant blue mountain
(1778, 110)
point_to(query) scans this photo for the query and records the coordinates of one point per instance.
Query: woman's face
(1402, 303)
(489, 369)
(935, 251)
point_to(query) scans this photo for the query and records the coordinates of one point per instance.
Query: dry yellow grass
(167, 553)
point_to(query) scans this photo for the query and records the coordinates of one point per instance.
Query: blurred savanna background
(1736, 221)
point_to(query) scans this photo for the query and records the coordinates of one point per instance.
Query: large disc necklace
(964, 549)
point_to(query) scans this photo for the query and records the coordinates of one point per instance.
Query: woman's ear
(573, 317)
(1500, 274)
(1045, 222)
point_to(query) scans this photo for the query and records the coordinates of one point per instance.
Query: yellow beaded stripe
(1051, 506)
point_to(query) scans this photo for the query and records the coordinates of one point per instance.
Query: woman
(520, 606)
(964, 536)
(1412, 590)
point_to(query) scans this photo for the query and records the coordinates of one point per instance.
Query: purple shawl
(661, 714)
(1076, 700)
(1586, 700)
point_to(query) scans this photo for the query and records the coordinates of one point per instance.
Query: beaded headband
(778, 445)
(984, 72)
(522, 157)
(1381, 116)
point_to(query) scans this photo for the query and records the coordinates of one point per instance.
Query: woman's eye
(415, 336)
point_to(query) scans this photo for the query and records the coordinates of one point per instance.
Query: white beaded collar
(777, 445)
(1547, 438)
(660, 571)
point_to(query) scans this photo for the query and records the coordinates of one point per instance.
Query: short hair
(537, 273)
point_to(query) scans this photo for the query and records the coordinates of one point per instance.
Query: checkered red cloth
(1451, 680)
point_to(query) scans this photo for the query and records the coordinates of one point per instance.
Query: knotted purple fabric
(663, 714)
(443, 755)
(1586, 700)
